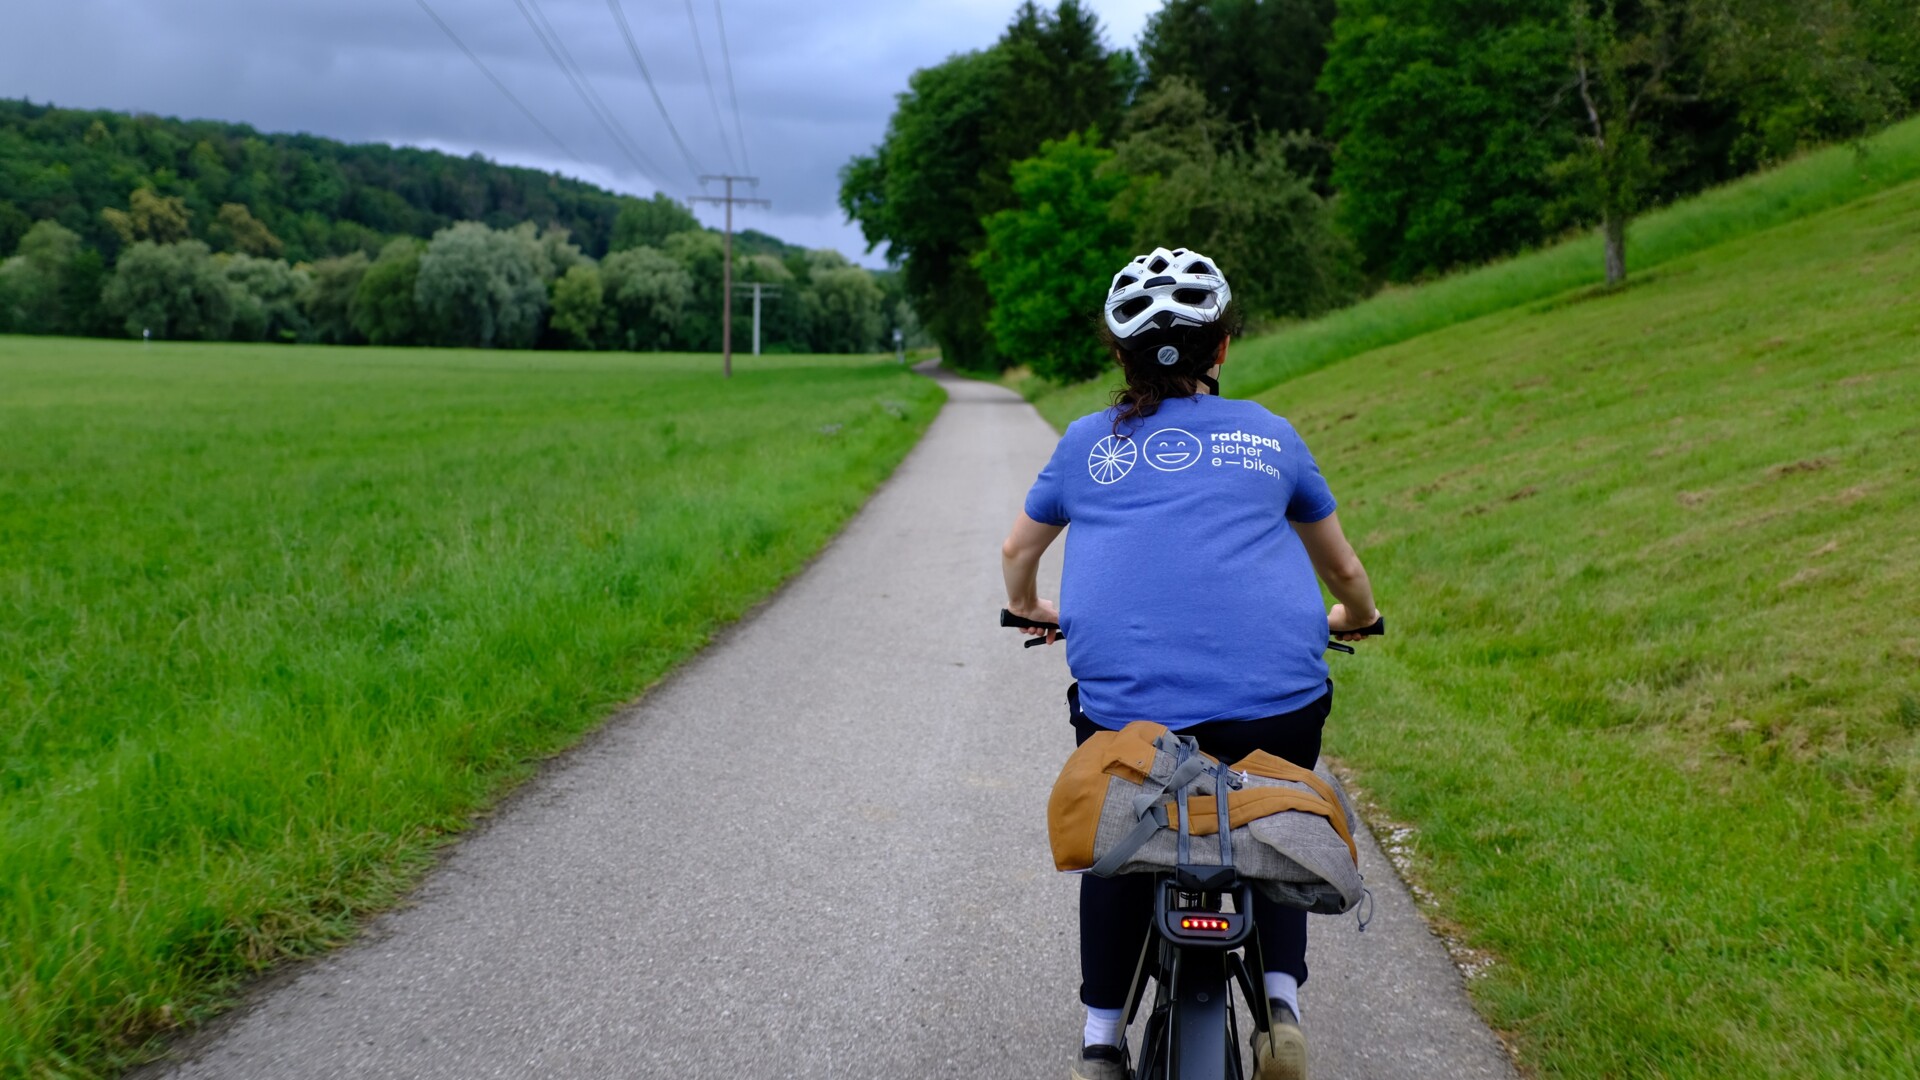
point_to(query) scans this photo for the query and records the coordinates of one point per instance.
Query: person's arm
(1020, 564)
(1334, 560)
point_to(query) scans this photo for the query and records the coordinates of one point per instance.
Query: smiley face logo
(1171, 449)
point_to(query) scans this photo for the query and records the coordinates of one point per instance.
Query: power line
(726, 61)
(557, 49)
(630, 144)
(627, 32)
(706, 75)
(495, 79)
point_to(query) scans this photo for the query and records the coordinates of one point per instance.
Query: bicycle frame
(1192, 1033)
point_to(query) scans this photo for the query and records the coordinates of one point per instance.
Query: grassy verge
(1653, 703)
(275, 621)
(1806, 186)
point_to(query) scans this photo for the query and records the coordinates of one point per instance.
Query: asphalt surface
(818, 850)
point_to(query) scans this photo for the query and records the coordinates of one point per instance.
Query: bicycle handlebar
(1008, 618)
(1375, 629)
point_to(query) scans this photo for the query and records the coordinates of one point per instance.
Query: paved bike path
(818, 850)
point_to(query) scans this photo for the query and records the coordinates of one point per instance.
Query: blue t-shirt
(1186, 595)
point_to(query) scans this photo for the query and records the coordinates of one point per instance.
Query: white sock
(1284, 987)
(1103, 1027)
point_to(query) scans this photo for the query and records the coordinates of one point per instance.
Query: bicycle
(1190, 958)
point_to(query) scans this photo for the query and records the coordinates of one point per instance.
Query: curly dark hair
(1150, 382)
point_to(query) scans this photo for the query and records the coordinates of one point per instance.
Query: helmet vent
(1157, 265)
(1133, 307)
(1196, 297)
(1123, 282)
(1199, 268)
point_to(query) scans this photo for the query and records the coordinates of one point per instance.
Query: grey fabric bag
(1295, 857)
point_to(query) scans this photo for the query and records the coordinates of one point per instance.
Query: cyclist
(1188, 598)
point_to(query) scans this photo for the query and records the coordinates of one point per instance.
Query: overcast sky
(815, 81)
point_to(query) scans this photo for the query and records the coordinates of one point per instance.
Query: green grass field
(1809, 185)
(275, 621)
(1652, 704)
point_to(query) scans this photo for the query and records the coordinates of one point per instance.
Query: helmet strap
(1213, 384)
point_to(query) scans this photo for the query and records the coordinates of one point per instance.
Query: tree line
(1321, 148)
(137, 226)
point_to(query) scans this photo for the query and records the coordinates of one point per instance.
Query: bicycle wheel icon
(1111, 459)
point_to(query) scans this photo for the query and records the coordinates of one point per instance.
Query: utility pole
(760, 289)
(726, 289)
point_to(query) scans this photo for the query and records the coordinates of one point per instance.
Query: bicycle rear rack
(1205, 924)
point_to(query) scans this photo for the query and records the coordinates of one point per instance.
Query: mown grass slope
(1805, 186)
(1652, 704)
(273, 621)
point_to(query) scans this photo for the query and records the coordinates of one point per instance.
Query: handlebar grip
(1378, 628)
(1008, 618)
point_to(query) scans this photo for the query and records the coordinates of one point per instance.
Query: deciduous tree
(648, 222)
(702, 255)
(1779, 73)
(267, 295)
(579, 308)
(1257, 61)
(483, 287)
(647, 294)
(1244, 206)
(163, 219)
(944, 164)
(328, 301)
(176, 291)
(1443, 111)
(236, 229)
(843, 306)
(1047, 260)
(34, 293)
(384, 309)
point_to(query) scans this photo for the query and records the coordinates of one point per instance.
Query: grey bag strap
(1220, 786)
(1110, 863)
(1188, 764)
(1183, 844)
(1151, 812)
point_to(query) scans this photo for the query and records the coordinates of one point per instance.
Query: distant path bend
(864, 762)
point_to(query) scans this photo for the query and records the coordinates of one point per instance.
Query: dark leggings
(1115, 912)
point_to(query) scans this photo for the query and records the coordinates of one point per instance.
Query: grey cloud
(816, 82)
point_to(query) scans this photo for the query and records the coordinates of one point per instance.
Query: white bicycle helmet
(1164, 289)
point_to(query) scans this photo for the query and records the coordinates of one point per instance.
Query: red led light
(1190, 923)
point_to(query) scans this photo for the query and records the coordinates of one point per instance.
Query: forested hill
(318, 196)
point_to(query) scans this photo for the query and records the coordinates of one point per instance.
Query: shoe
(1280, 1053)
(1101, 1063)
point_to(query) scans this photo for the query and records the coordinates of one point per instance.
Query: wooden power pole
(726, 289)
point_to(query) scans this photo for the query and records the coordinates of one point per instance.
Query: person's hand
(1343, 625)
(1038, 611)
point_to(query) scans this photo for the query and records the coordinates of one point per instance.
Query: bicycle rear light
(1202, 919)
(1208, 929)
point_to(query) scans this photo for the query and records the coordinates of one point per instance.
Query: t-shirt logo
(1111, 458)
(1172, 449)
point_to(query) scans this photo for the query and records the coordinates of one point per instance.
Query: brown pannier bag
(1117, 808)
